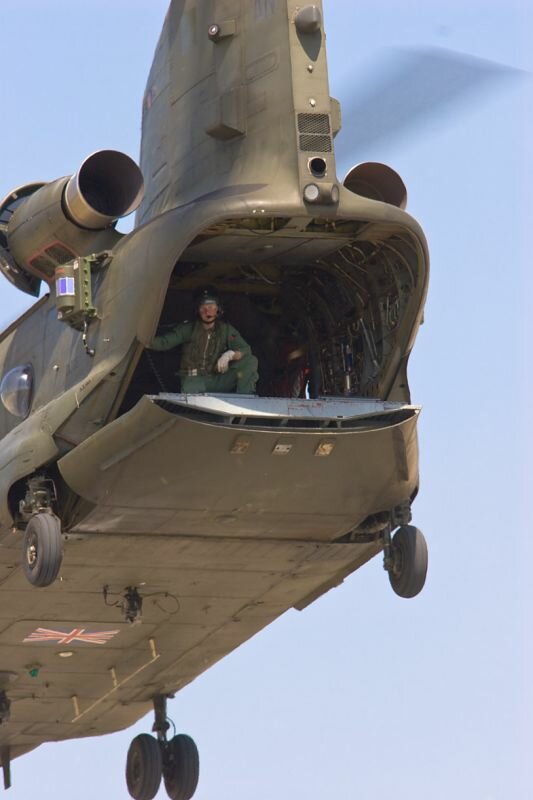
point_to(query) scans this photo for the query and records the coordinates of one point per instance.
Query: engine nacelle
(45, 225)
(377, 182)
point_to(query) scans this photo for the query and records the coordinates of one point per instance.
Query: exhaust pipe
(56, 222)
(108, 185)
(377, 182)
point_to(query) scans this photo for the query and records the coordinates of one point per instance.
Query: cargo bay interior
(320, 303)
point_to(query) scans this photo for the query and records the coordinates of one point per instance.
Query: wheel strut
(5, 707)
(388, 556)
(5, 756)
(180, 760)
(161, 723)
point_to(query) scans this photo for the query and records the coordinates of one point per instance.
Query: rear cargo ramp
(194, 468)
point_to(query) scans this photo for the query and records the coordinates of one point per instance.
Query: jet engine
(45, 225)
(377, 182)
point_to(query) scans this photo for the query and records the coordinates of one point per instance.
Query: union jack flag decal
(45, 635)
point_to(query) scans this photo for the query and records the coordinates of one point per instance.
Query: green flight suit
(201, 350)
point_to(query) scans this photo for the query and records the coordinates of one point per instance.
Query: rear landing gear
(406, 560)
(150, 759)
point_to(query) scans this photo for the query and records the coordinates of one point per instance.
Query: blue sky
(363, 695)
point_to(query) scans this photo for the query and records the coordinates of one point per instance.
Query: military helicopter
(106, 496)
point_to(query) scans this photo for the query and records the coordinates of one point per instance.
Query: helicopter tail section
(238, 95)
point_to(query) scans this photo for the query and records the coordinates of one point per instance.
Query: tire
(144, 767)
(42, 549)
(410, 558)
(182, 768)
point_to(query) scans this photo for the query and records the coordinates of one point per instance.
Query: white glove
(223, 361)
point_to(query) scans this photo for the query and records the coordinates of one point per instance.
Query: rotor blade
(412, 88)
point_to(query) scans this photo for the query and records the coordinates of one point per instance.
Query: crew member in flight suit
(214, 357)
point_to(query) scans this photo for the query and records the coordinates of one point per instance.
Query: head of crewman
(208, 306)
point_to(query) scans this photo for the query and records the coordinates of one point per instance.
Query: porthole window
(16, 390)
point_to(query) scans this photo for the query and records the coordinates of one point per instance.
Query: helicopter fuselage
(221, 511)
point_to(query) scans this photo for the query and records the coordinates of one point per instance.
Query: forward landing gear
(144, 767)
(181, 767)
(151, 758)
(406, 560)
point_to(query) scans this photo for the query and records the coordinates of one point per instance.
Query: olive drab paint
(104, 456)
(226, 112)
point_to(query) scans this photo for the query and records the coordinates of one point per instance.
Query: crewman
(214, 357)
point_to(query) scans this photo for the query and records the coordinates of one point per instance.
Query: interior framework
(320, 303)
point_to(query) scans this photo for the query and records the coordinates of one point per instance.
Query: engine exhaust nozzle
(377, 182)
(108, 185)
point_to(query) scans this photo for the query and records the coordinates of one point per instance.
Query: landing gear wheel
(181, 769)
(409, 551)
(144, 767)
(42, 551)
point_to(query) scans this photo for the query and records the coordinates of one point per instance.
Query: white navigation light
(326, 193)
(311, 193)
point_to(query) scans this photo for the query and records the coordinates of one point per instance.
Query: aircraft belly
(221, 527)
(202, 599)
(154, 471)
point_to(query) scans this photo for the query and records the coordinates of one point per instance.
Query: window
(16, 390)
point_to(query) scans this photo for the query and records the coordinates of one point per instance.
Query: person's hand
(223, 361)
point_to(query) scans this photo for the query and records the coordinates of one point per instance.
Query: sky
(363, 695)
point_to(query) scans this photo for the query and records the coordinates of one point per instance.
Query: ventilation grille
(59, 254)
(42, 264)
(313, 123)
(314, 130)
(315, 144)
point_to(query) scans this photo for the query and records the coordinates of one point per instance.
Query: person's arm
(179, 334)
(237, 348)
(236, 343)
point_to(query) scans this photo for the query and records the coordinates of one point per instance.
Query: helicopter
(104, 488)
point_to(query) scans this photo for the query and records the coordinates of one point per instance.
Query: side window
(16, 390)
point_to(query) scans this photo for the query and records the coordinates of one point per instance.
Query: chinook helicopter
(105, 495)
